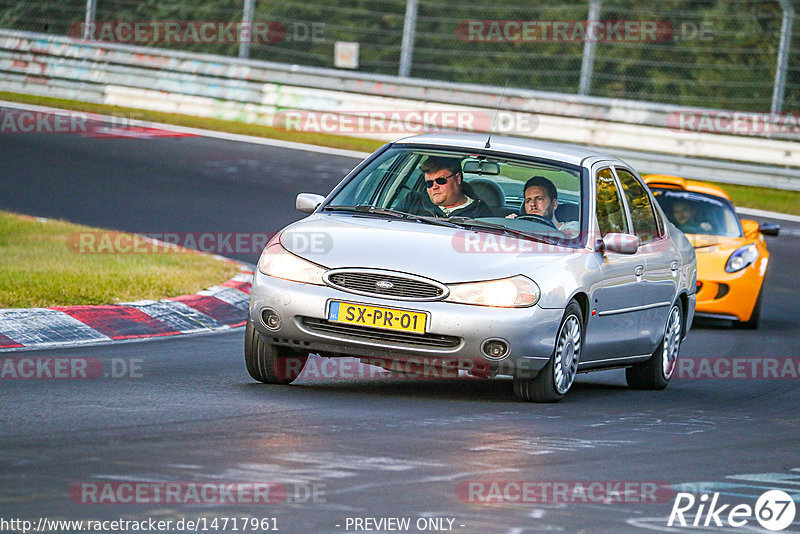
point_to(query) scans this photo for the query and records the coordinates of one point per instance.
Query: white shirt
(451, 209)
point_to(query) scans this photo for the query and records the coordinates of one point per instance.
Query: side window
(610, 211)
(642, 214)
(399, 177)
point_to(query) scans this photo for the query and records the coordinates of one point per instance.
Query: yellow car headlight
(741, 258)
(278, 262)
(515, 292)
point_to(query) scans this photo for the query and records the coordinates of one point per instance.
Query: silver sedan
(490, 256)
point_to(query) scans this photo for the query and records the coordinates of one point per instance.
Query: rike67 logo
(774, 510)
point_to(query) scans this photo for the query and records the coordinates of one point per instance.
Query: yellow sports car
(732, 255)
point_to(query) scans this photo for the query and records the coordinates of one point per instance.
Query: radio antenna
(496, 112)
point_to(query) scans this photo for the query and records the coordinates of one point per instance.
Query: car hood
(713, 252)
(701, 241)
(441, 253)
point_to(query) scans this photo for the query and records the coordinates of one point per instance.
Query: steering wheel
(537, 218)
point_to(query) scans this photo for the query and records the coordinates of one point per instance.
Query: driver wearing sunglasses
(448, 195)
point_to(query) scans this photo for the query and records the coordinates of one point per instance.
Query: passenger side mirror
(621, 243)
(769, 228)
(308, 202)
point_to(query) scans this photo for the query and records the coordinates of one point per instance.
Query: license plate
(377, 317)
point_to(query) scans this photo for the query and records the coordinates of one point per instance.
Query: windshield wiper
(475, 223)
(365, 208)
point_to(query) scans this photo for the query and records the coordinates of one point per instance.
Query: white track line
(289, 144)
(195, 131)
(768, 214)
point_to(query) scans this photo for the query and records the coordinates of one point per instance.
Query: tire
(555, 379)
(656, 372)
(755, 316)
(270, 364)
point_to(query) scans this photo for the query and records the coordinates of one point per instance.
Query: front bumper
(731, 295)
(455, 332)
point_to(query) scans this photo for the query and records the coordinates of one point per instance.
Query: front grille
(371, 282)
(374, 334)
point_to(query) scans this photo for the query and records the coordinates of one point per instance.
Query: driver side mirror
(619, 243)
(308, 202)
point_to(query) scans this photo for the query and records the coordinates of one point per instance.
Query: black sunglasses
(441, 180)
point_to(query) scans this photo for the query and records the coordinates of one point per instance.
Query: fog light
(495, 349)
(271, 319)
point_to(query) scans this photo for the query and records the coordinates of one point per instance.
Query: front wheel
(656, 372)
(269, 363)
(555, 379)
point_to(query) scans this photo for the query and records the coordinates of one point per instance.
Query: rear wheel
(656, 371)
(269, 363)
(555, 379)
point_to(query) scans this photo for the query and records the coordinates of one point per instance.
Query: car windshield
(469, 189)
(697, 213)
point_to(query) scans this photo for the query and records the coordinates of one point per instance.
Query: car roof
(572, 154)
(676, 182)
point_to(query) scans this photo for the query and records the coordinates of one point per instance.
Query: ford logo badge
(384, 284)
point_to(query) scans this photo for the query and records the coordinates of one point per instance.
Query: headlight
(515, 292)
(278, 262)
(740, 259)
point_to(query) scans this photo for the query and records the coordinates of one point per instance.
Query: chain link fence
(706, 53)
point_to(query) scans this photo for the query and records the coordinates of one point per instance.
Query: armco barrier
(254, 91)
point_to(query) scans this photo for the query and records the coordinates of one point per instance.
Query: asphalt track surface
(184, 410)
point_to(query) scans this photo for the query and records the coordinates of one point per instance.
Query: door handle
(639, 270)
(673, 266)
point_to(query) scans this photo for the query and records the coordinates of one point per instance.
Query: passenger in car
(541, 198)
(447, 194)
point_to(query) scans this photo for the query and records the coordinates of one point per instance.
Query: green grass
(763, 198)
(39, 266)
(746, 196)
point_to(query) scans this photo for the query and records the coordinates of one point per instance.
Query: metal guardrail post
(246, 31)
(783, 56)
(409, 27)
(88, 23)
(587, 62)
